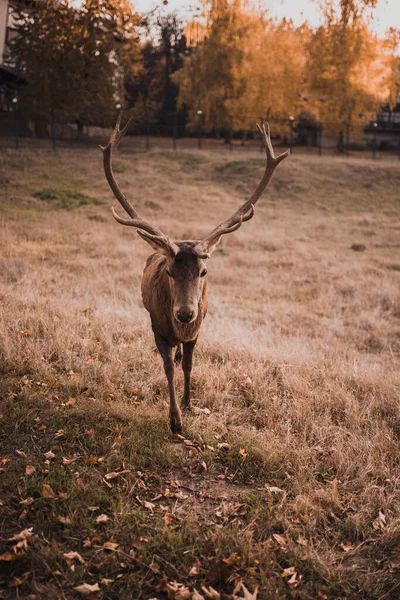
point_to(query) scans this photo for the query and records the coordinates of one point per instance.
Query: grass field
(288, 476)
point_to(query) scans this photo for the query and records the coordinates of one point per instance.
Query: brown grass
(298, 363)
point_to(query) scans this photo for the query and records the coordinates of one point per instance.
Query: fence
(58, 132)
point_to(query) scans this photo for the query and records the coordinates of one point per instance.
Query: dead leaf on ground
(177, 591)
(247, 595)
(211, 593)
(47, 491)
(29, 469)
(49, 455)
(112, 546)
(25, 534)
(347, 546)
(9, 556)
(115, 474)
(194, 571)
(85, 589)
(68, 461)
(380, 521)
(102, 519)
(21, 453)
(17, 581)
(64, 520)
(74, 556)
(279, 538)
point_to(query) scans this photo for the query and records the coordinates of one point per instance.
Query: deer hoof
(175, 423)
(187, 407)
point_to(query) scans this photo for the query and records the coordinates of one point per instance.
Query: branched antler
(135, 220)
(246, 211)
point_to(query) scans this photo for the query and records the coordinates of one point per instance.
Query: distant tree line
(231, 60)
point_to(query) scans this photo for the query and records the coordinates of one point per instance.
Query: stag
(174, 284)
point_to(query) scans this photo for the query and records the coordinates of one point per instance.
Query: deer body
(174, 284)
(169, 332)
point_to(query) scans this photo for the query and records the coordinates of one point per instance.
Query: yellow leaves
(86, 589)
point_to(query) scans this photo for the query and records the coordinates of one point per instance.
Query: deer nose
(185, 316)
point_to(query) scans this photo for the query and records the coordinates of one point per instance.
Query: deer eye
(203, 273)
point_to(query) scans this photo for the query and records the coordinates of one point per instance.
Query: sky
(387, 13)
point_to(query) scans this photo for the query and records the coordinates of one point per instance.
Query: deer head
(186, 260)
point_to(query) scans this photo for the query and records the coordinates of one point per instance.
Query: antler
(135, 220)
(246, 211)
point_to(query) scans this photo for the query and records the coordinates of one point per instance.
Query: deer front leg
(165, 350)
(188, 348)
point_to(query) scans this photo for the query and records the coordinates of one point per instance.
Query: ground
(287, 477)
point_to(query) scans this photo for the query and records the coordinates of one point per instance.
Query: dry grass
(298, 363)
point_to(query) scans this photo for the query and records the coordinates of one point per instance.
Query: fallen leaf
(17, 581)
(29, 469)
(194, 571)
(23, 535)
(85, 589)
(49, 455)
(74, 556)
(102, 519)
(68, 461)
(197, 596)
(47, 491)
(106, 581)
(289, 572)
(247, 595)
(211, 593)
(243, 453)
(347, 546)
(279, 538)
(380, 521)
(115, 474)
(60, 433)
(27, 501)
(110, 546)
(64, 520)
(93, 508)
(20, 453)
(274, 489)
(9, 556)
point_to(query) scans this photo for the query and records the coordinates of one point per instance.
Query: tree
(208, 81)
(348, 67)
(74, 58)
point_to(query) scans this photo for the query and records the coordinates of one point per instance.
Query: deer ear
(160, 244)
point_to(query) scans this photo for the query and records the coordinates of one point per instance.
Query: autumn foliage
(227, 66)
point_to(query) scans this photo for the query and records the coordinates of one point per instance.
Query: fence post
(174, 131)
(15, 103)
(320, 132)
(53, 130)
(291, 120)
(374, 125)
(199, 114)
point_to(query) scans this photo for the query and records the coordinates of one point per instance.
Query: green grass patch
(64, 199)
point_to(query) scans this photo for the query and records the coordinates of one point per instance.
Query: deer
(175, 283)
